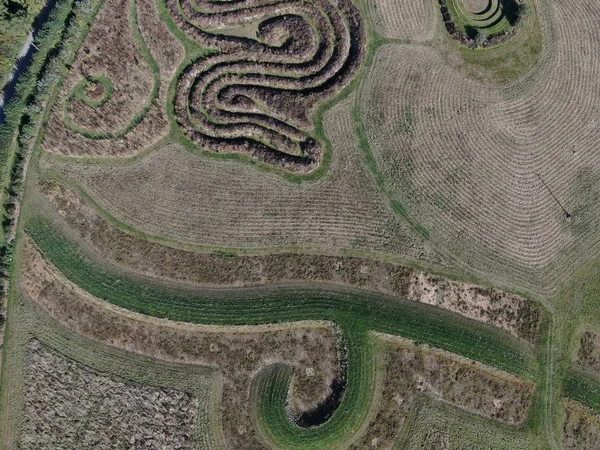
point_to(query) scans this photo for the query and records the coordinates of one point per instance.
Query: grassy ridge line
(583, 387)
(145, 51)
(365, 311)
(270, 391)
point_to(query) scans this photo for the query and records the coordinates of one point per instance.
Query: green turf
(356, 313)
(80, 90)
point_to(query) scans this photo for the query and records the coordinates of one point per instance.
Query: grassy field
(308, 225)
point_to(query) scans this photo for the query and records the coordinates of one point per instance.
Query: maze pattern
(256, 96)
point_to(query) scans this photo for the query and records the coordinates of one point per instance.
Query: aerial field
(304, 225)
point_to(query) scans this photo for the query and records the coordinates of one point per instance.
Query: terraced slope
(257, 95)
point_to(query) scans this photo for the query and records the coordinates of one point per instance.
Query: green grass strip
(257, 305)
(583, 387)
(354, 311)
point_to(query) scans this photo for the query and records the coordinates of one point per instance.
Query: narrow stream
(26, 56)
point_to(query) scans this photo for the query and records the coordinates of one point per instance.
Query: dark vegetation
(474, 36)
(16, 21)
(225, 114)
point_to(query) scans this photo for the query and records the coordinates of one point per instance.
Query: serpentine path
(257, 96)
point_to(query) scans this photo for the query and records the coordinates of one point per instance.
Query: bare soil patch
(69, 406)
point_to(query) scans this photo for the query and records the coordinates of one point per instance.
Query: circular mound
(481, 23)
(94, 90)
(477, 6)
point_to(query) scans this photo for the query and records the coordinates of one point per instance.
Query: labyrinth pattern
(258, 94)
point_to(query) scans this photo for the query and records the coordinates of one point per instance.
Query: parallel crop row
(482, 167)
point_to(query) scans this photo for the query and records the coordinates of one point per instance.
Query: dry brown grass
(238, 353)
(589, 351)
(70, 406)
(409, 372)
(510, 312)
(412, 20)
(581, 428)
(476, 6)
(192, 199)
(111, 49)
(463, 157)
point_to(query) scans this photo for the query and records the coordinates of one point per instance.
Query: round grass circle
(477, 6)
(94, 90)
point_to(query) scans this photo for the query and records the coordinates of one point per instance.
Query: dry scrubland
(192, 149)
(256, 97)
(463, 158)
(140, 80)
(581, 427)
(313, 349)
(70, 406)
(510, 312)
(410, 373)
(588, 354)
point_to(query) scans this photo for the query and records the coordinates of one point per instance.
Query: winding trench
(257, 96)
